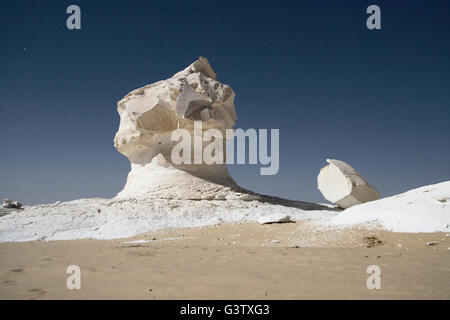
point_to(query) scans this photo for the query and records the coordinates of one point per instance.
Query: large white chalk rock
(149, 115)
(341, 184)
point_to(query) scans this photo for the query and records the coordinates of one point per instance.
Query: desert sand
(232, 261)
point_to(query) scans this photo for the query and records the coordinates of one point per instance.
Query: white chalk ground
(426, 209)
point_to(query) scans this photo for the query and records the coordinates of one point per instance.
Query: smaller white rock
(274, 218)
(341, 184)
(137, 241)
(249, 197)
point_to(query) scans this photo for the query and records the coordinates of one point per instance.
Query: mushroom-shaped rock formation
(341, 184)
(148, 116)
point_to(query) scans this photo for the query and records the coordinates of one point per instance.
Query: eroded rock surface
(150, 114)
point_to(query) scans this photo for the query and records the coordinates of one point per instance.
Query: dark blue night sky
(377, 99)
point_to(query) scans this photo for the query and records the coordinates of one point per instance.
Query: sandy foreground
(232, 261)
